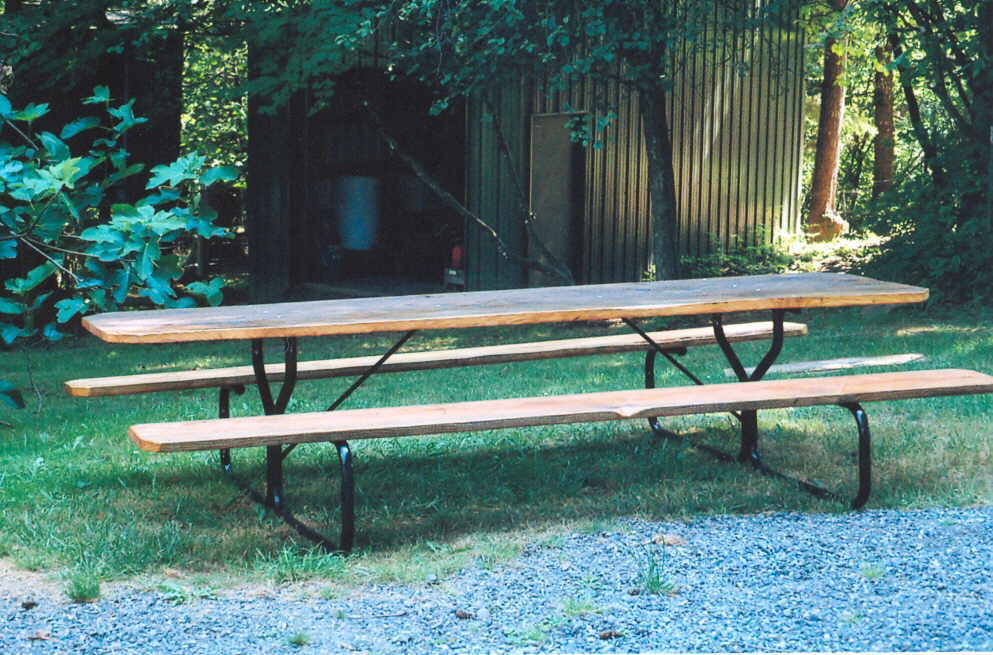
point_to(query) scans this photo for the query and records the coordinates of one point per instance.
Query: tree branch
(51, 260)
(450, 200)
(916, 122)
(544, 253)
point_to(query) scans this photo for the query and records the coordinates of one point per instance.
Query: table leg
(749, 419)
(274, 497)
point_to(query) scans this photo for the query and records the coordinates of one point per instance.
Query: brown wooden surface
(415, 361)
(509, 307)
(518, 412)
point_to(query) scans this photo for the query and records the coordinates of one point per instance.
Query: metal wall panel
(737, 140)
(737, 143)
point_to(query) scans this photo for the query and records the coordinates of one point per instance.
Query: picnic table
(627, 302)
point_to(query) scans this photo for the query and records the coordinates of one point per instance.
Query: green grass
(74, 489)
(298, 639)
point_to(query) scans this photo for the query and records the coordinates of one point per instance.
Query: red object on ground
(458, 251)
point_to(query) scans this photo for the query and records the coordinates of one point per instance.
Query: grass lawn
(79, 500)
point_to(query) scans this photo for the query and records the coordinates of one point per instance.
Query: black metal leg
(864, 461)
(262, 379)
(224, 411)
(274, 476)
(749, 448)
(653, 421)
(749, 451)
(347, 496)
(273, 499)
(864, 456)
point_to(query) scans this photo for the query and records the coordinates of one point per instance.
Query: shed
(737, 138)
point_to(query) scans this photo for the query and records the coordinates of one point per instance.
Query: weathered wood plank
(508, 307)
(416, 361)
(521, 412)
(839, 364)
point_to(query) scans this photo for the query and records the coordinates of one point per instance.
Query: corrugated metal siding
(491, 191)
(737, 144)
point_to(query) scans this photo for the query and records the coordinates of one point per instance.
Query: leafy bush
(740, 259)
(938, 236)
(69, 246)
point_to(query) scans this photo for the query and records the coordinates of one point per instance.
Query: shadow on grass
(408, 491)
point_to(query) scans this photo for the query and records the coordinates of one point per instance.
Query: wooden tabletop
(508, 307)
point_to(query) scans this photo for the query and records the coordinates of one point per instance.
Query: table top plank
(496, 308)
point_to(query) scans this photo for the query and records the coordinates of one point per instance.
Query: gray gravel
(871, 581)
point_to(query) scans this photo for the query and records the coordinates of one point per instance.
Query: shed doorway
(382, 229)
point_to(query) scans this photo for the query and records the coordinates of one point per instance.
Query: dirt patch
(24, 585)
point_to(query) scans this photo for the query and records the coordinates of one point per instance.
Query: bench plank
(414, 420)
(416, 361)
(837, 364)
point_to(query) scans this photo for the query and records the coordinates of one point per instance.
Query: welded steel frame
(274, 497)
(748, 451)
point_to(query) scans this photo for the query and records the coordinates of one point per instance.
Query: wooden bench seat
(348, 425)
(415, 361)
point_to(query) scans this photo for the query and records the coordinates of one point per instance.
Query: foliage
(215, 109)
(940, 214)
(69, 241)
(741, 258)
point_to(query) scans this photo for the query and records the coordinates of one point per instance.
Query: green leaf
(121, 284)
(11, 395)
(68, 308)
(159, 198)
(219, 174)
(8, 306)
(5, 107)
(147, 259)
(8, 248)
(39, 301)
(35, 276)
(126, 115)
(31, 113)
(114, 178)
(56, 148)
(52, 333)
(101, 94)
(180, 303)
(8, 333)
(184, 168)
(211, 291)
(79, 125)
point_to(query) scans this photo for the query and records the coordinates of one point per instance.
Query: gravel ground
(870, 581)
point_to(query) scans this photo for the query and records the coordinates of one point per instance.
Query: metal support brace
(274, 497)
(347, 537)
(650, 355)
(864, 464)
(224, 411)
(361, 379)
(748, 451)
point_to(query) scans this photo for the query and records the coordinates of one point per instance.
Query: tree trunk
(884, 150)
(661, 184)
(823, 222)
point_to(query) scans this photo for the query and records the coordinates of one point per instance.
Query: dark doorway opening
(371, 216)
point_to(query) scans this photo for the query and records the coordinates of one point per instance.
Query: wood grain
(416, 361)
(508, 307)
(839, 364)
(520, 412)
